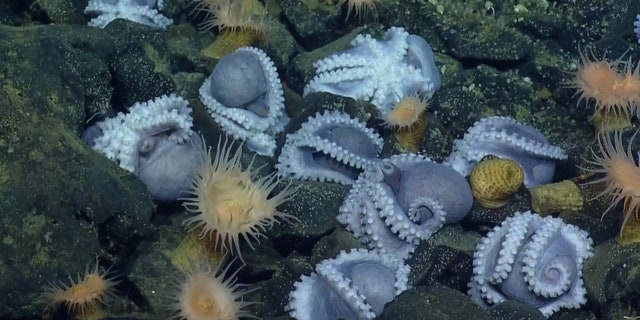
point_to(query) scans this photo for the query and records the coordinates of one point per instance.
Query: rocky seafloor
(63, 204)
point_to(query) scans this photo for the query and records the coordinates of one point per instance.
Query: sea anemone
(86, 294)
(230, 202)
(203, 293)
(232, 15)
(407, 112)
(612, 91)
(621, 173)
(360, 7)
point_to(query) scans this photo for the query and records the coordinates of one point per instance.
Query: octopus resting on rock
(404, 199)
(154, 141)
(534, 260)
(507, 138)
(355, 285)
(244, 96)
(331, 147)
(140, 11)
(379, 71)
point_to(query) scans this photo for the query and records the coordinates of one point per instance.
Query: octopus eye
(147, 145)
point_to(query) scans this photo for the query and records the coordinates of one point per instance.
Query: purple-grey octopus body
(506, 138)
(244, 96)
(154, 141)
(531, 259)
(404, 199)
(354, 285)
(331, 147)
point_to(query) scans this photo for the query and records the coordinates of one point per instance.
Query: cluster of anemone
(202, 292)
(230, 203)
(613, 85)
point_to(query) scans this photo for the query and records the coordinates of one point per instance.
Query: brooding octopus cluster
(355, 285)
(531, 259)
(404, 199)
(330, 147)
(507, 138)
(244, 96)
(394, 203)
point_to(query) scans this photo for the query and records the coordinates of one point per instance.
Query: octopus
(140, 11)
(379, 71)
(354, 285)
(329, 147)
(154, 141)
(403, 200)
(507, 138)
(534, 260)
(244, 96)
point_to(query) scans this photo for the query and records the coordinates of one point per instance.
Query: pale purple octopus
(154, 141)
(355, 285)
(404, 199)
(331, 147)
(244, 96)
(507, 138)
(534, 260)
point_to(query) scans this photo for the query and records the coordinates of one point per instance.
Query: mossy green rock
(62, 204)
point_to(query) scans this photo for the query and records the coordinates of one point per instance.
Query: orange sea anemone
(601, 81)
(406, 112)
(621, 173)
(203, 294)
(230, 202)
(87, 293)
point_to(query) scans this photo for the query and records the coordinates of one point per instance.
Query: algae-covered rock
(432, 302)
(612, 279)
(62, 204)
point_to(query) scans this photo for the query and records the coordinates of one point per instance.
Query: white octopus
(379, 71)
(140, 11)
(124, 136)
